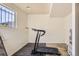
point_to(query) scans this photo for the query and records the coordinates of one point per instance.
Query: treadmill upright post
(36, 41)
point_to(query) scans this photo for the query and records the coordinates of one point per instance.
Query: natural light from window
(7, 17)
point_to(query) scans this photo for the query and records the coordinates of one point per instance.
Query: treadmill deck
(47, 50)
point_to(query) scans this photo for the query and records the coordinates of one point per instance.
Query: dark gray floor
(26, 50)
(2, 48)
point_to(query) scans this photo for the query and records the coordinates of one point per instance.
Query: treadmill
(43, 50)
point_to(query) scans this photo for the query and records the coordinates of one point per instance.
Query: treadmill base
(46, 50)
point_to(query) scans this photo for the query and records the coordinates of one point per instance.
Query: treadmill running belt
(48, 50)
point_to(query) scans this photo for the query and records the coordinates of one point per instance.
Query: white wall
(56, 30)
(13, 39)
(16, 38)
(68, 25)
(39, 22)
(54, 26)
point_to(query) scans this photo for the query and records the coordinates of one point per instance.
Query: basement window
(7, 17)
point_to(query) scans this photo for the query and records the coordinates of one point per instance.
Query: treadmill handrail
(39, 31)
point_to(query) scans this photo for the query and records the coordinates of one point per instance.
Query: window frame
(14, 14)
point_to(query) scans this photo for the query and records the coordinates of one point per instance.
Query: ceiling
(34, 8)
(61, 9)
(55, 9)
